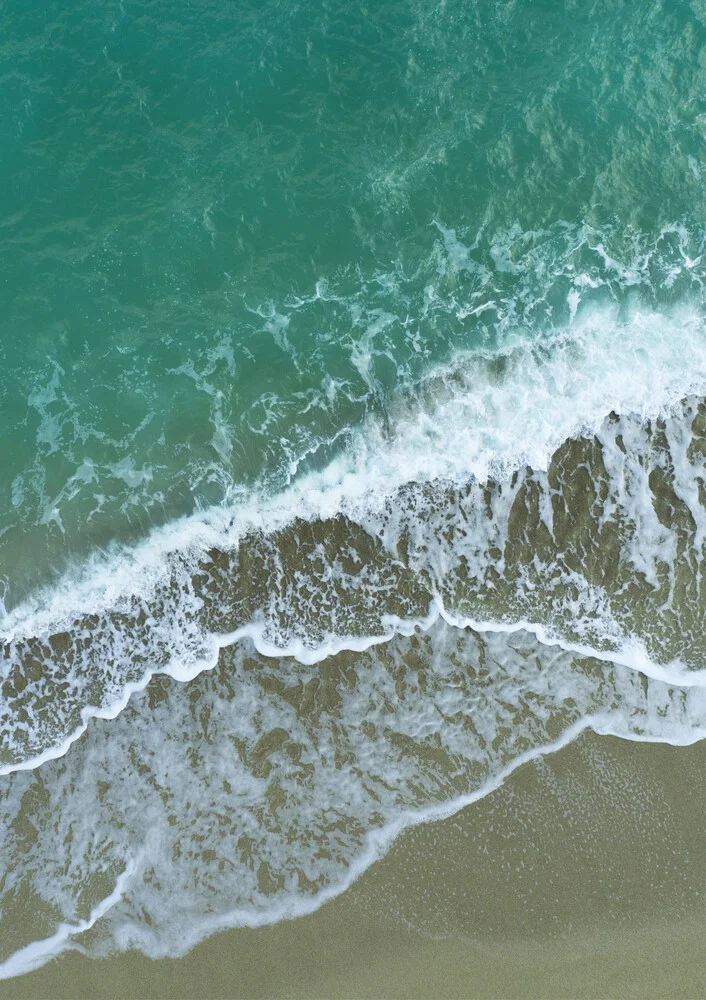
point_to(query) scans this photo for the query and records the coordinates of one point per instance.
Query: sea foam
(263, 788)
(432, 496)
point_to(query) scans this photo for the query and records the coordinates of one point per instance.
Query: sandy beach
(582, 876)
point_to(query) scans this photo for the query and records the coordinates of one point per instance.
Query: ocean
(353, 416)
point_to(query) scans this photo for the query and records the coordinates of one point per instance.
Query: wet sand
(583, 876)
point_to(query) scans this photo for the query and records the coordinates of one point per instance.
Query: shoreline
(624, 916)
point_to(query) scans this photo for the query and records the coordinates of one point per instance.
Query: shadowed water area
(353, 427)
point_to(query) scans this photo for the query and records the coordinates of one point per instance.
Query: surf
(398, 528)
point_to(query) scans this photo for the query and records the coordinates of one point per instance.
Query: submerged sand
(582, 876)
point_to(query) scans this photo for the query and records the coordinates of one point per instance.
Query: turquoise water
(321, 323)
(233, 232)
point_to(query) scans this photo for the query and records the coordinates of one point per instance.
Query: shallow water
(580, 876)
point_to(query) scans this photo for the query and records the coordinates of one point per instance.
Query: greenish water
(232, 231)
(330, 332)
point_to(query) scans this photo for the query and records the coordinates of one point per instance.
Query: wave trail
(624, 582)
(38, 953)
(261, 788)
(600, 544)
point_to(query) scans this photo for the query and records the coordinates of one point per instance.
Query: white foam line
(38, 953)
(376, 844)
(632, 655)
(375, 468)
(307, 655)
(89, 712)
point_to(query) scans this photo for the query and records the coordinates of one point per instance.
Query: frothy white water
(38, 953)
(133, 612)
(351, 700)
(376, 845)
(632, 655)
(264, 788)
(487, 414)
